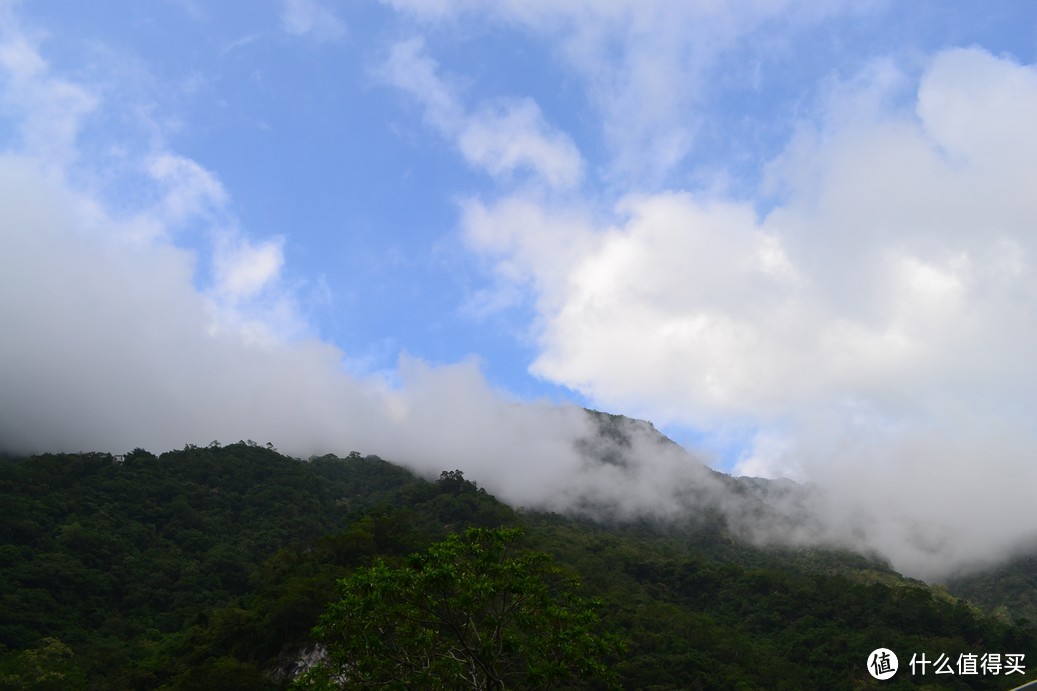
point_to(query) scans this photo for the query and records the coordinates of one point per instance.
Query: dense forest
(210, 567)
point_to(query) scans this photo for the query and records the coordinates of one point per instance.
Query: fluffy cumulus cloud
(502, 138)
(900, 254)
(876, 323)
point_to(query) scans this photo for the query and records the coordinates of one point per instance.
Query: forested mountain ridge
(208, 568)
(1007, 589)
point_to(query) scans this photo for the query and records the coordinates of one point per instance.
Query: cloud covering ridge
(825, 272)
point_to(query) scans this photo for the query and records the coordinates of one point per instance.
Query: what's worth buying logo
(882, 663)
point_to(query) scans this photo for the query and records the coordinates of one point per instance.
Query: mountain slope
(207, 567)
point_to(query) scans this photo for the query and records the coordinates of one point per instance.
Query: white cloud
(311, 18)
(885, 266)
(644, 64)
(248, 294)
(512, 135)
(188, 190)
(58, 106)
(245, 268)
(533, 246)
(876, 326)
(501, 138)
(680, 291)
(975, 105)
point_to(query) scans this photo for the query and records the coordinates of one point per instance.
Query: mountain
(1008, 590)
(208, 567)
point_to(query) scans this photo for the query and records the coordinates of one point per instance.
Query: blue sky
(758, 224)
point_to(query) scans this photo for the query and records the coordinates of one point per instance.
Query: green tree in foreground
(48, 666)
(471, 612)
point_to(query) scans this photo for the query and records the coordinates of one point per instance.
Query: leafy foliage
(469, 612)
(140, 567)
(1009, 590)
(209, 567)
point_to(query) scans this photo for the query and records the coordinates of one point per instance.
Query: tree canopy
(470, 612)
(210, 567)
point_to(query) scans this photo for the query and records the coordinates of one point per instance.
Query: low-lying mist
(108, 346)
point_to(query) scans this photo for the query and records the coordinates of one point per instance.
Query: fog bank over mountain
(110, 347)
(888, 502)
(863, 301)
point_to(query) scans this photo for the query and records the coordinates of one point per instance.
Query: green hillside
(1008, 590)
(209, 568)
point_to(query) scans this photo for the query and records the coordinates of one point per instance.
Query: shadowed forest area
(210, 567)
